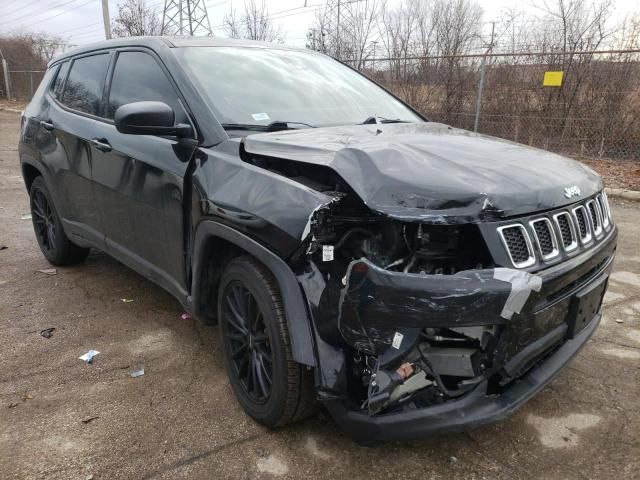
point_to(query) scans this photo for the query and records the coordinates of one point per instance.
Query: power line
(83, 27)
(21, 7)
(278, 15)
(32, 14)
(62, 13)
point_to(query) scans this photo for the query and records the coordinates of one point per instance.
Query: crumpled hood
(434, 172)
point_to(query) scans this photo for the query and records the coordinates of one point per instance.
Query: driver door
(139, 179)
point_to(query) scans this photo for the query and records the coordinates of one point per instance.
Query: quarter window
(56, 88)
(83, 89)
(138, 78)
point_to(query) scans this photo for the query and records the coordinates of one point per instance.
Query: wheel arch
(29, 174)
(228, 243)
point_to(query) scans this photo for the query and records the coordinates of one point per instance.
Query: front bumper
(474, 409)
(545, 323)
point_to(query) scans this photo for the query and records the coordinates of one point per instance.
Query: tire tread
(300, 400)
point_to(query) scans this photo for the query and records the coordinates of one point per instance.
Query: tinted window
(137, 78)
(47, 80)
(83, 90)
(62, 74)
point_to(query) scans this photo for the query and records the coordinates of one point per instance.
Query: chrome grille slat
(515, 239)
(596, 217)
(545, 238)
(567, 231)
(604, 208)
(583, 224)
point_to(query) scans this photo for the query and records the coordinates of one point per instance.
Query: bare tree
(254, 24)
(360, 28)
(346, 29)
(31, 50)
(401, 34)
(456, 29)
(136, 19)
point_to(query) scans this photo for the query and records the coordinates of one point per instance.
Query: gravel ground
(63, 419)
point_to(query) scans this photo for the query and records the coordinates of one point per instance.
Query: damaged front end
(412, 317)
(410, 301)
(425, 316)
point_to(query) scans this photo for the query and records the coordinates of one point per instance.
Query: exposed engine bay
(445, 362)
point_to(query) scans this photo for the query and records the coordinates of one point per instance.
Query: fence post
(30, 85)
(5, 69)
(479, 100)
(481, 86)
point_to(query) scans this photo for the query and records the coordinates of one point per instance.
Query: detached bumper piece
(474, 409)
(436, 353)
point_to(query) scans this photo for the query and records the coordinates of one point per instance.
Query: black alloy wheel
(53, 241)
(270, 386)
(43, 221)
(248, 337)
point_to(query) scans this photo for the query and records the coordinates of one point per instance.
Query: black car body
(421, 278)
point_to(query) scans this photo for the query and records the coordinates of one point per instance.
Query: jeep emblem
(572, 191)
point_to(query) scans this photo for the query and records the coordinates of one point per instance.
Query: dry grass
(617, 173)
(12, 105)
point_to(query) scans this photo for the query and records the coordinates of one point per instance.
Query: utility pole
(5, 70)
(106, 19)
(338, 32)
(373, 60)
(185, 17)
(476, 123)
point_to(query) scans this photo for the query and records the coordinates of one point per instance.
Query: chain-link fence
(592, 112)
(20, 83)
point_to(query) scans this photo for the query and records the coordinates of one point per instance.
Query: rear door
(138, 179)
(74, 109)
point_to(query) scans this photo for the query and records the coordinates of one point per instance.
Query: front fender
(298, 322)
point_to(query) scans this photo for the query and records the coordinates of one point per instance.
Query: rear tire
(55, 245)
(270, 386)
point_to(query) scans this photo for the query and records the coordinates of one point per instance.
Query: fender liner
(302, 344)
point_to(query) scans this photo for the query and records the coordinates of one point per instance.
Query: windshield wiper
(375, 119)
(274, 126)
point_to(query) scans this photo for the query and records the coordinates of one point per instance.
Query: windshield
(258, 86)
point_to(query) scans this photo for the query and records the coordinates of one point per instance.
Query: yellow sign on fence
(552, 79)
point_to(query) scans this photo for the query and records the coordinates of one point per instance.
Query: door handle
(46, 125)
(101, 144)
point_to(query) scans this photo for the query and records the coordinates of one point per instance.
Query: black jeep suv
(409, 276)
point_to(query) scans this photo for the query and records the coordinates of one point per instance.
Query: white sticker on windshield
(259, 117)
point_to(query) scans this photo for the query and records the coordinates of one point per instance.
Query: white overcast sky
(80, 21)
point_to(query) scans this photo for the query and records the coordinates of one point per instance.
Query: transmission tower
(185, 17)
(338, 18)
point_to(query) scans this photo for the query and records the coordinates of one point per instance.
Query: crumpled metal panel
(434, 173)
(254, 200)
(375, 302)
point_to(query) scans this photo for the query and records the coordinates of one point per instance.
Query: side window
(56, 87)
(138, 77)
(83, 89)
(44, 84)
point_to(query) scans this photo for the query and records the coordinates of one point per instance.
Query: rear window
(56, 87)
(83, 89)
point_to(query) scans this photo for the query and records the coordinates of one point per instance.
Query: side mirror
(148, 118)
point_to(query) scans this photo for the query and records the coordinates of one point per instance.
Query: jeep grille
(558, 232)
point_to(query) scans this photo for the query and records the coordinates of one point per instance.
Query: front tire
(55, 245)
(270, 386)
